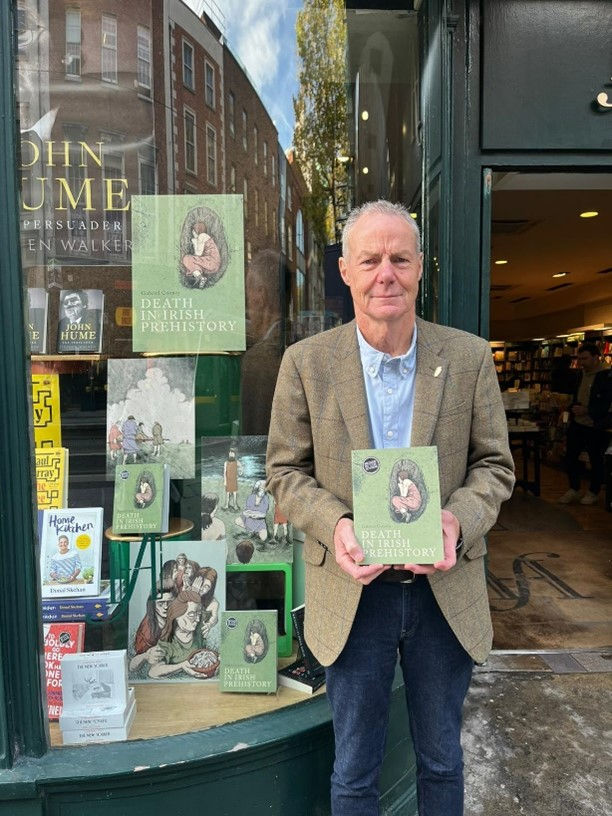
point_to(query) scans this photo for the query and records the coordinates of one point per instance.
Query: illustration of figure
(255, 641)
(114, 441)
(129, 429)
(158, 438)
(151, 626)
(232, 469)
(253, 517)
(205, 259)
(244, 550)
(145, 490)
(179, 639)
(189, 573)
(407, 491)
(213, 529)
(174, 571)
(409, 499)
(205, 582)
(65, 564)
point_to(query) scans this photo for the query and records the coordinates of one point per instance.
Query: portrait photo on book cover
(408, 493)
(204, 253)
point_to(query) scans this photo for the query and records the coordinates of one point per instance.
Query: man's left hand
(450, 535)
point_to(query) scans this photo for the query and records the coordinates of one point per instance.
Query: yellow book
(46, 410)
(52, 478)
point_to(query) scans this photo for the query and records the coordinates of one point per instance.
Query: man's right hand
(349, 554)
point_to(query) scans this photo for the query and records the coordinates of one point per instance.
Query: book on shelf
(141, 501)
(396, 505)
(92, 718)
(38, 309)
(306, 673)
(188, 273)
(81, 313)
(71, 552)
(86, 734)
(98, 607)
(59, 639)
(51, 477)
(94, 679)
(46, 417)
(248, 651)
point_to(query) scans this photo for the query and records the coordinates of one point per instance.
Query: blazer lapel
(430, 377)
(347, 375)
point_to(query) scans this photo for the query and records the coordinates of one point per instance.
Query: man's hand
(579, 410)
(450, 535)
(349, 554)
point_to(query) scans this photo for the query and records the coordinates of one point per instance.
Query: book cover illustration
(51, 477)
(151, 414)
(38, 309)
(235, 504)
(188, 273)
(46, 411)
(396, 505)
(248, 651)
(71, 552)
(141, 499)
(94, 679)
(175, 635)
(60, 639)
(81, 313)
(97, 607)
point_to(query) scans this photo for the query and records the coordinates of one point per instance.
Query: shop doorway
(549, 279)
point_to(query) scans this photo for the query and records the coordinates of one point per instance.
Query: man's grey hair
(380, 207)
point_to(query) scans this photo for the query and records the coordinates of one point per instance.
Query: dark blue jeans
(404, 619)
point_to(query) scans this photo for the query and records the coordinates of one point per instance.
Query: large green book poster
(396, 505)
(188, 273)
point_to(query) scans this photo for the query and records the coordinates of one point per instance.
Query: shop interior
(551, 291)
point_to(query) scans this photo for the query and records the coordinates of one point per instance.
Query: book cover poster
(60, 639)
(235, 504)
(51, 477)
(81, 313)
(188, 273)
(38, 307)
(71, 552)
(46, 410)
(150, 414)
(140, 499)
(248, 651)
(396, 505)
(176, 635)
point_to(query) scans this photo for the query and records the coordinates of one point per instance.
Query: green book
(188, 273)
(248, 651)
(396, 505)
(142, 496)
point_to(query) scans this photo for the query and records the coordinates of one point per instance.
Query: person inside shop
(587, 428)
(390, 379)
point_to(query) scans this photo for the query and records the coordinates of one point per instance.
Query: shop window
(73, 43)
(188, 72)
(144, 59)
(209, 84)
(191, 157)
(211, 155)
(109, 48)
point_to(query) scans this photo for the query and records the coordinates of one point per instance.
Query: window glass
(190, 141)
(144, 57)
(209, 79)
(188, 74)
(73, 43)
(211, 155)
(109, 48)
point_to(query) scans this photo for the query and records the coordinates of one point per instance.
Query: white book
(97, 717)
(71, 552)
(83, 735)
(94, 679)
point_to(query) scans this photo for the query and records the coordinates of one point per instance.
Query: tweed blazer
(320, 414)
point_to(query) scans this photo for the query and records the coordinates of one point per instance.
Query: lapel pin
(438, 371)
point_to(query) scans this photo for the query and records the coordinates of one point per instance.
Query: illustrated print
(203, 249)
(255, 641)
(145, 490)
(407, 492)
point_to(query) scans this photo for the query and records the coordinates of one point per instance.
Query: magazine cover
(38, 307)
(396, 505)
(175, 636)
(46, 411)
(71, 552)
(235, 504)
(188, 273)
(141, 498)
(81, 313)
(248, 651)
(150, 414)
(94, 679)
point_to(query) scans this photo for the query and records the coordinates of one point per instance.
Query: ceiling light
(501, 262)
(365, 115)
(562, 335)
(589, 214)
(559, 274)
(537, 339)
(365, 171)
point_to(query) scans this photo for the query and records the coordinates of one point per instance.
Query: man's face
(73, 306)
(587, 361)
(383, 268)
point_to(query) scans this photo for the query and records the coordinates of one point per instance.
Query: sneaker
(569, 497)
(589, 498)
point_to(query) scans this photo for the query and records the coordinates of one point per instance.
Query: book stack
(306, 673)
(98, 706)
(79, 609)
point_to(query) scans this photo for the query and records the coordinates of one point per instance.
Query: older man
(390, 379)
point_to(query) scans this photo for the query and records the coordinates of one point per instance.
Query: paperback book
(46, 411)
(306, 673)
(60, 639)
(188, 273)
(94, 679)
(98, 607)
(51, 477)
(396, 505)
(80, 321)
(71, 552)
(38, 308)
(142, 499)
(80, 736)
(248, 651)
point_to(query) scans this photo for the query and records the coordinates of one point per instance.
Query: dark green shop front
(461, 90)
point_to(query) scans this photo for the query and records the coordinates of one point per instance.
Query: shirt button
(371, 369)
(389, 434)
(389, 390)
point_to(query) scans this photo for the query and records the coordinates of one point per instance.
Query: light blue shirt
(389, 383)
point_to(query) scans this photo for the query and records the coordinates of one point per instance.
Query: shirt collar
(372, 359)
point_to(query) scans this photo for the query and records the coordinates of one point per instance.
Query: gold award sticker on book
(396, 497)
(83, 542)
